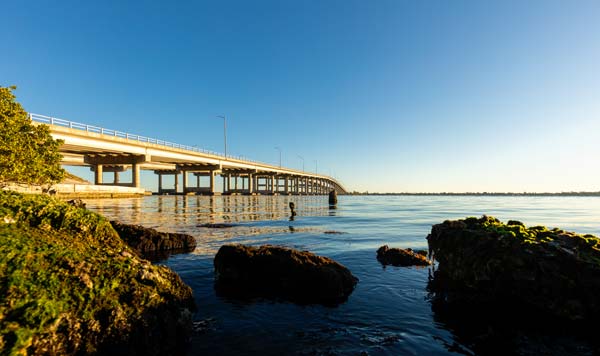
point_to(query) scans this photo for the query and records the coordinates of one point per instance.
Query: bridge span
(105, 150)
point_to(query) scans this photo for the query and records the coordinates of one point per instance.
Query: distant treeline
(495, 194)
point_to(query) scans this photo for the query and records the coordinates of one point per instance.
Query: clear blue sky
(386, 95)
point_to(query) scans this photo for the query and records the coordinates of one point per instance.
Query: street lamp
(279, 149)
(224, 132)
(302, 158)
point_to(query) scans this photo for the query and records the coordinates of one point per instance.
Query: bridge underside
(198, 178)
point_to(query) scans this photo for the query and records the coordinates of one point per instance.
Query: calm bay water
(389, 312)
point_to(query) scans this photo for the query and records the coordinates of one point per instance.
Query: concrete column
(116, 178)
(286, 186)
(160, 183)
(235, 182)
(272, 184)
(250, 183)
(197, 181)
(185, 174)
(176, 175)
(223, 177)
(98, 174)
(135, 175)
(211, 179)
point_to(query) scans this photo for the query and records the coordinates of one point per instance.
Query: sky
(384, 95)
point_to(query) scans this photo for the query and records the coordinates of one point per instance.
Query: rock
(279, 272)
(333, 197)
(71, 286)
(78, 203)
(483, 260)
(292, 210)
(148, 242)
(217, 225)
(400, 257)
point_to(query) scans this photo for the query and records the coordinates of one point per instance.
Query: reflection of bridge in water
(105, 150)
(250, 215)
(167, 211)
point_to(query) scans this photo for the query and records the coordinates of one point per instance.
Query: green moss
(533, 235)
(70, 285)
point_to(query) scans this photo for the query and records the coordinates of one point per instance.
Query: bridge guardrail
(100, 130)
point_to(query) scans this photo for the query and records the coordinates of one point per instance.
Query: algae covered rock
(401, 257)
(273, 271)
(147, 241)
(484, 260)
(70, 285)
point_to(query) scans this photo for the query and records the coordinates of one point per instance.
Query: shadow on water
(159, 256)
(504, 328)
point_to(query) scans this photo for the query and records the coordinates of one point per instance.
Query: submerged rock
(217, 225)
(400, 257)
(147, 241)
(484, 260)
(272, 271)
(69, 285)
(332, 197)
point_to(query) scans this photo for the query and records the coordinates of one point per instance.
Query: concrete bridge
(105, 150)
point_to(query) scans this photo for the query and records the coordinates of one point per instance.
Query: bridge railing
(100, 130)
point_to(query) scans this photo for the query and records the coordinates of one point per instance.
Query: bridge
(105, 150)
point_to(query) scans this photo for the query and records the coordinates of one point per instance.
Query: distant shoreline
(563, 194)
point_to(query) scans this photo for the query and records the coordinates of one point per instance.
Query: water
(389, 312)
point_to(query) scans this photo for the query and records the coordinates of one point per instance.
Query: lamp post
(279, 149)
(224, 132)
(302, 158)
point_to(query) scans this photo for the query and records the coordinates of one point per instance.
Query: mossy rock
(70, 285)
(148, 242)
(483, 259)
(402, 257)
(281, 273)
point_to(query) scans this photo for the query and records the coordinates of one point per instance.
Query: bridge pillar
(286, 185)
(272, 184)
(159, 183)
(250, 183)
(211, 179)
(185, 185)
(116, 177)
(135, 175)
(295, 180)
(98, 174)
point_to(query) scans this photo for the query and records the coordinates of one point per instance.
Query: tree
(28, 153)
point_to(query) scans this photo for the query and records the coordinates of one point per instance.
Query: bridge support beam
(98, 174)
(161, 188)
(135, 175)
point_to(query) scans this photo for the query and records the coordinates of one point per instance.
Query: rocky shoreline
(484, 261)
(71, 285)
(78, 283)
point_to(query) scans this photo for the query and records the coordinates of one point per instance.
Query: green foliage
(532, 235)
(70, 285)
(28, 153)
